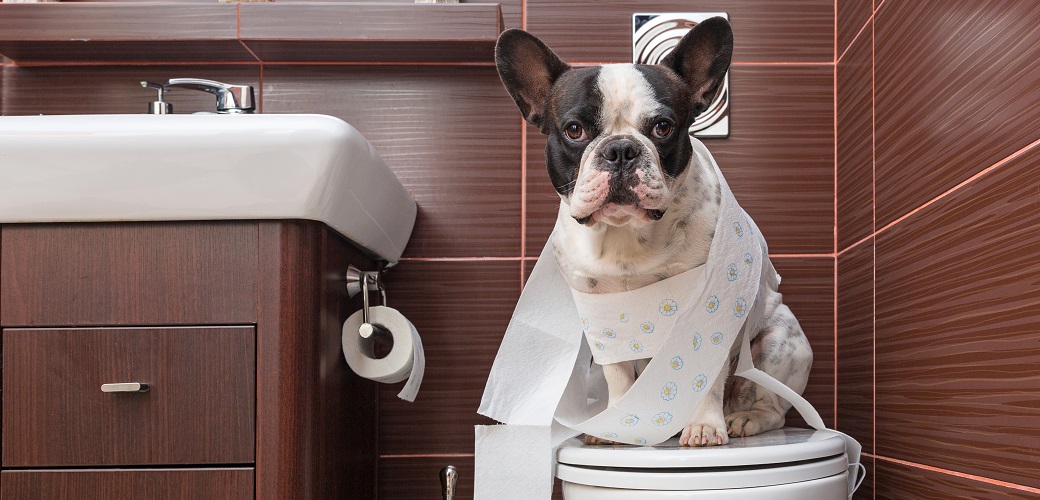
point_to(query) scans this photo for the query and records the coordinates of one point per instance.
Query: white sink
(202, 167)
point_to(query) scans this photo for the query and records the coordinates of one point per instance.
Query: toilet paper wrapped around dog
(543, 383)
(406, 359)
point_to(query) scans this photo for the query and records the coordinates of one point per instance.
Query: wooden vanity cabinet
(234, 327)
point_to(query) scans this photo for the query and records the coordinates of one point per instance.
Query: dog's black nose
(620, 151)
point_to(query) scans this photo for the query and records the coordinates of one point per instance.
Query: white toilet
(795, 464)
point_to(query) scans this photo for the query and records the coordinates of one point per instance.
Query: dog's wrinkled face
(616, 150)
(617, 134)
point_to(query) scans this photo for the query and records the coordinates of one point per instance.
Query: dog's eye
(575, 132)
(662, 129)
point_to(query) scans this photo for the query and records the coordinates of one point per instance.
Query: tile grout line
(429, 455)
(963, 475)
(873, 266)
(855, 38)
(523, 199)
(835, 243)
(531, 257)
(939, 197)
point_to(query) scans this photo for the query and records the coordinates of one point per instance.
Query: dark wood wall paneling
(453, 136)
(954, 282)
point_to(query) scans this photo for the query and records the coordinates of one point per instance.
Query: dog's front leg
(620, 377)
(708, 425)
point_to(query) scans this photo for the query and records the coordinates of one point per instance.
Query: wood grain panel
(808, 288)
(128, 274)
(511, 9)
(198, 408)
(417, 477)
(958, 362)
(896, 480)
(461, 309)
(31, 90)
(113, 21)
(962, 100)
(852, 16)
(779, 159)
(404, 32)
(403, 477)
(856, 344)
(855, 154)
(764, 30)
(100, 31)
(368, 51)
(450, 136)
(345, 21)
(866, 488)
(315, 433)
(184, 484)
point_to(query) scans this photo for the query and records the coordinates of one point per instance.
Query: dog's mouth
(615, 214)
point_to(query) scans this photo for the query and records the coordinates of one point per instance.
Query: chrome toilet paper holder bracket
(359, 281)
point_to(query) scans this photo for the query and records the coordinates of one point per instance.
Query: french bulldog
(639, 202)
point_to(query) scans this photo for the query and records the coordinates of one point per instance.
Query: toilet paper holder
(359, 281)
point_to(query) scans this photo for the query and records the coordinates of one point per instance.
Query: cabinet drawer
(187, 484)
(140, 273)
(199, 407)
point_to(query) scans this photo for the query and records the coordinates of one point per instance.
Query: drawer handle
(125, 387)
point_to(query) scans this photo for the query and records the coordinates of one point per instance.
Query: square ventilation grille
(655, 35)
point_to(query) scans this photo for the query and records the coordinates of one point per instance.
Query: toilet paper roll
(406, 358)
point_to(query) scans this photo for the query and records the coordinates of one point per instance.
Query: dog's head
(618, 144)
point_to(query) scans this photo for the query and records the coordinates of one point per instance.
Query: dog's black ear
(702, 58)
(528, 69)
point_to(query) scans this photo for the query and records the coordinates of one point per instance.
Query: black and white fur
(640, 205)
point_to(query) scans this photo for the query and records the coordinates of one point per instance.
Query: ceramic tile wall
(938, 149)
(455, 139)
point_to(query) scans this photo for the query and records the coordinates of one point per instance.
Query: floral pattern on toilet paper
(626, 326)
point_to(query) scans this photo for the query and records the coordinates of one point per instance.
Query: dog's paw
(749, 423)
(595, 440)
(701, 434)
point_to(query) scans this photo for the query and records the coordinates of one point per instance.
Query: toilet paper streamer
(405, 361)
(543, 376)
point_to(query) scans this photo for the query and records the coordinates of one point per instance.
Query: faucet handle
(230, 98)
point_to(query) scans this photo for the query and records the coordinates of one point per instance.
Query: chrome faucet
(231, 99)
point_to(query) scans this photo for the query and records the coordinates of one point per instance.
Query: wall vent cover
(655, 35)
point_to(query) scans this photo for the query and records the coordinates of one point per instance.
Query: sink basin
(89, 168)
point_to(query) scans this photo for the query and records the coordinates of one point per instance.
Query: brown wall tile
(119, 21)
(957, 89)
(449, 133)
(764, 30)
(808, 288)
(403, 478)
(958, 364)
(852, 16)
(396, 21)
(59, 90)
(856, 344)
(92, 32)
(855, 160)
(896, 481)
(866, 488)
(461, 309)
(779, 159)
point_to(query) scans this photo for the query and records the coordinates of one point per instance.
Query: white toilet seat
(780, 457)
